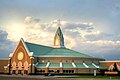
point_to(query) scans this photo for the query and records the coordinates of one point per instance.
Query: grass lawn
(91, 76)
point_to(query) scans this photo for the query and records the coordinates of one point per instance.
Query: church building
(30, 58)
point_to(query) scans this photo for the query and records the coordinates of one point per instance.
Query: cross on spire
(58, 22)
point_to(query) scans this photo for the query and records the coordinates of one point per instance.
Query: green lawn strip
(103, 77)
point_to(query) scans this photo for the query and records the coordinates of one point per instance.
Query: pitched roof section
(38, 49)
(64, 52)
(45, 51)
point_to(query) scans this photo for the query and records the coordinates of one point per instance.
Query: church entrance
(14, 72)
(19, 71)
(25, 71)
(26, 67)
(19, 67)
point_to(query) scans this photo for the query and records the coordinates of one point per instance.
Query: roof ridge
(38, 44)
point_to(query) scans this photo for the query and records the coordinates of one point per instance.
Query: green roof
(38, 49)
(45, 51)
(67, 65)
(54, 65)
(91, 66)
(80, 65)
(40, 65)
(100, 66)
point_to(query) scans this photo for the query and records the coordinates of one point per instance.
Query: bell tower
(58, 39)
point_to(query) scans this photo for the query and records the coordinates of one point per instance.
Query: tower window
(57, 42)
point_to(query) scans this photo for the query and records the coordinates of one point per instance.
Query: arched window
(20, 65)
(26, 65)
(14, 65)
(57, 41)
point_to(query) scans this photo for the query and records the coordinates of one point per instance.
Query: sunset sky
(89, 26)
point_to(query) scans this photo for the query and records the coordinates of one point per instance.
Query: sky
(89, 26)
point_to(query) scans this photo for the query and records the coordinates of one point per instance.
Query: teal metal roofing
(41, 65)
(100, 66)
(54, 65)
(91, 66)
(80, 65)
(38, 49)
(45, 51)
(67, 65)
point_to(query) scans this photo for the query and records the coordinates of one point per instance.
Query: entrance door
(14, 72)
(19, 67)
(26, 67)
(19, 71)
(25, 72)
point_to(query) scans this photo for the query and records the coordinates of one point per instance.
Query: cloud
(43, 33)
(36, 20)
(98, 36)
(3, 35)
(100, 48)
(28, 20)
(88, 26)
(79, 36)
(82, 37)
(6, 46)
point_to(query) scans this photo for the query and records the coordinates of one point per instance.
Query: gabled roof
(46, 51)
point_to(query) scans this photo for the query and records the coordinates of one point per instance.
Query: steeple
(58, 39)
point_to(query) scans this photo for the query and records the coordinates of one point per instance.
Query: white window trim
(85, 65)
(61, 64)
(73, 64)
(95, 65)
(48, 64)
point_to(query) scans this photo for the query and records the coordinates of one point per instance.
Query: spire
(59, 32)
(59, 39)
